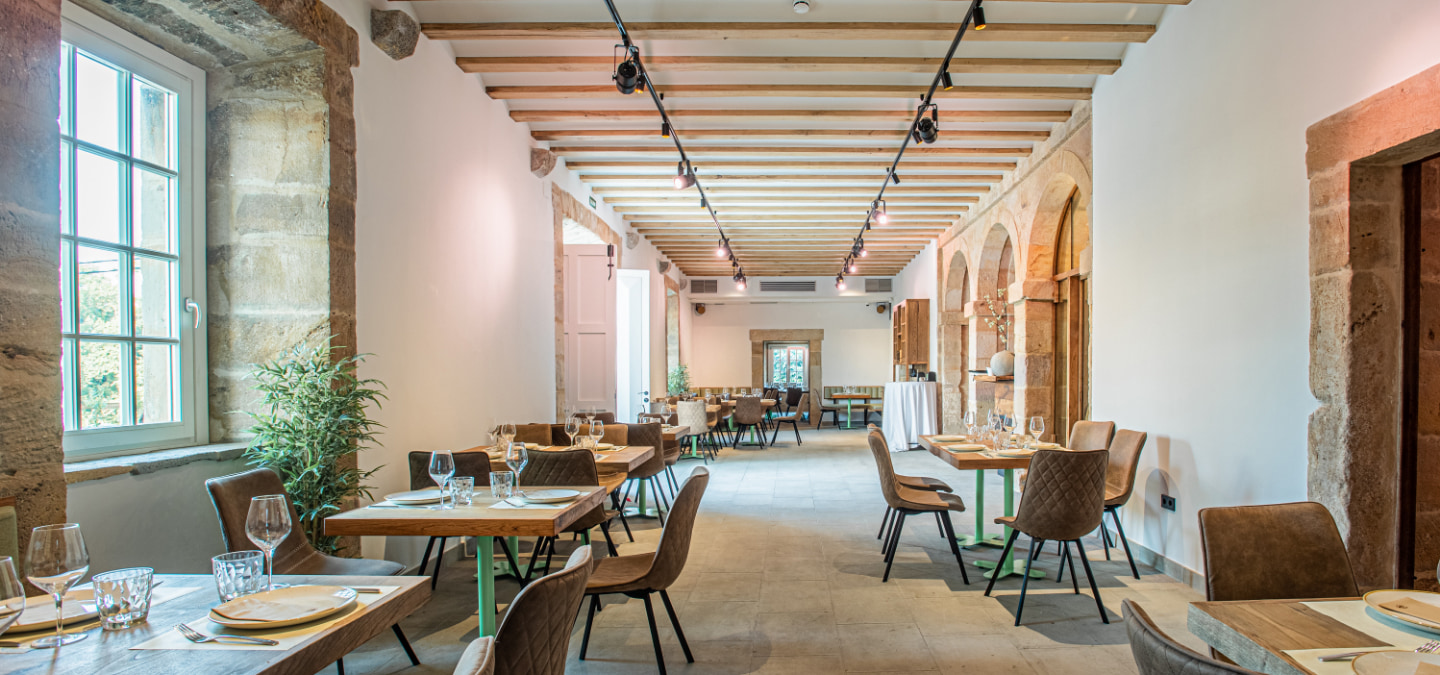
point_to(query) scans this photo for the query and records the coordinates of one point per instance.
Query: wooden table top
(860, 397)
(972, 461)
(624, 460)
(109, 652)
(1255, 633)
(476, 520)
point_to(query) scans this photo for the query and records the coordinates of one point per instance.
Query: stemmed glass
(507, 432)
(516, 457)
(442, 467)
(572, 428)
(12, 594)
(268, 524)
(55, 561)
(597, 432)
(1037, 427)
(970, 422)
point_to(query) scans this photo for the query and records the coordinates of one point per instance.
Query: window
(131, 231)
(789, 363)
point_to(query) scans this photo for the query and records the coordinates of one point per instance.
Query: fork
(199, 638)
(1429, 647)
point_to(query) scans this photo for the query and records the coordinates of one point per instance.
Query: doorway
(1071, 323)
(787, 364)
(632, 343)
(1420, 363)
(589, 328)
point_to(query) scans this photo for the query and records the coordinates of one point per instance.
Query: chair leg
(1120, 533)
(439, 557)
(1035, 545)
(510, 558)
(654, 634)
(883, 522)
(1064, 557)
(797, 433)
(405, 644)
(1105, 537)
(425, 559)
(1074, 580)
(535, 556)
(894, 544)
(589, 620)
(340, 666)
(954, 545)
(1085, 561)
(675, 621)
(939, 525)
(609, 543)
(1004, 553)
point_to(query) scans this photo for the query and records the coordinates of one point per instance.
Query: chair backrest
(478, 658)
(534, 637)
(792, 396)
(1064, 494)
(606, 417)
(1157, 654)
(1088, 435)
(692, 414)
(1124, 462)
(474, 463)
(1274, 552)
(231, 495)
(770, 393)
(651, 435)
(800, 408)
(619, 434)
(674, 546)
(560, 467)
(749, 410)
(888, 483)
(533, 433)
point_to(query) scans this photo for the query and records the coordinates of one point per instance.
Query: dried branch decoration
(998, 319)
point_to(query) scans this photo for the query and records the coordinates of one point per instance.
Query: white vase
(1003, 363)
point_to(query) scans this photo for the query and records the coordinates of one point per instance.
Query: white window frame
(111, 43)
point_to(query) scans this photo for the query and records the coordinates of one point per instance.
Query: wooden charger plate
(283, 607)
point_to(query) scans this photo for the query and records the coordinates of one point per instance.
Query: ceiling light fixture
(853, 266)
(945, 82)
(863, 251)
(627, 76)
(722, 249)
(927, 131)
(840, 281)
(684, 176)
(801, 6)
(881, 217)
(665, 130)
(980, 18)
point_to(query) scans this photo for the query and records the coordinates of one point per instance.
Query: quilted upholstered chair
(1120, 483)
(534, 636)
(749, 414)
(1088, 435)
(791, 417)
(650, 472)
(692, 414)
(606, 417)
(533, 433)
(566, 467)
(1064, 501)
(1157, 654)
(478, 658)
(646, 574)
(906, 502)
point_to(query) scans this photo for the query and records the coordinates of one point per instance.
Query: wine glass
(1009, 422)
(268, 524)
(572, 428)
(1037, 427)
(507, 432)
(55, 561)
(442, 467)
(516, 457)
(12, 594)
(590, 413)
(597, 432)
(970, 422)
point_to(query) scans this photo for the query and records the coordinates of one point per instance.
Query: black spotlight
(928, 130)
(980, 18)
(627, 77)
(683, 178)
(945, 82)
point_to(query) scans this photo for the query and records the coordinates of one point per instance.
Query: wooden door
(589, 328)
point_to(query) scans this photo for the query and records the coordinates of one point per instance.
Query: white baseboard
(1168, 567)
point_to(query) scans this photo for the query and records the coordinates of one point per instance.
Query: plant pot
(1003, 363)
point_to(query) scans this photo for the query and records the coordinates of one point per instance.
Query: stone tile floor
(784, 577)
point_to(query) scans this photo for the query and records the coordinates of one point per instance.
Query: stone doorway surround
(1354, 164)
(564, 205)
(814, 336)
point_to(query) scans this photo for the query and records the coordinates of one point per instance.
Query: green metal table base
(1009, 566)
(849, 415)
(485, 565)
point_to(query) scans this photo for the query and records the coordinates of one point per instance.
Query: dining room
(617, 336)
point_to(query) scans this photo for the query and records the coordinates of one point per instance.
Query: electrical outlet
(1167, 502)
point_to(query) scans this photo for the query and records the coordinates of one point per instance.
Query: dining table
(1288, 637)
(980, 462)
(850, 399)
(618, 459)
(484, 519)
(155, 646)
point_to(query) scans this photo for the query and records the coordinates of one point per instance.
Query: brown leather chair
(533, 433)
(831, 408)
(1087, 435)
(1064, 501)
(912, 482)
(566, 467)
(1274, 552)
(749, 414)
(640, 576)
(1119, 484)
(478, 658)
(791, 417)
(231, 496)
(649, 435)
(474, 463)
(907, 502)
(615, 434)
(1157, 654)
(534, 636)
(606, 417)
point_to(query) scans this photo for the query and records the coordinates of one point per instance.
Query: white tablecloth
(910, 412)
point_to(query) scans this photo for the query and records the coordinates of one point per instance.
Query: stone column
(1034, 347)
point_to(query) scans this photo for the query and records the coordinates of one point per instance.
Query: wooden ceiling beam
(813, 168)
(787, 115)
(887, 134)
(729, 180)
(898, 31)
(695, 151)
(789, 64)
(588, 91)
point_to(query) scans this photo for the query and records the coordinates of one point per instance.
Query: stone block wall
(1427, 461)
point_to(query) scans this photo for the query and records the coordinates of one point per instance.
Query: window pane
(154, 296)
(99, 285)
(66, 51)
(65, 225)
(153, 116)
(154, 383)
(100, 378)
(98, 95)
(97, 191)
(67, 379)
(67, 274)
(153, 211)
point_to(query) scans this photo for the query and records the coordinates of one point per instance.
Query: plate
(39, 611)
(1395, 663)
(1045, 446)
(1015, 454)
(290, 606)
(549, 496)
(604, 446)
(950, 439)
(1374, 598)
(426, 496)
(965, 447)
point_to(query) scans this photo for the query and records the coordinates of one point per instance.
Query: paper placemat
(288, 637)
(1354, 614)
(158, 596)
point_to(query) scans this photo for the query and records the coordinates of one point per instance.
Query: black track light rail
(926, 103)
(633, 52)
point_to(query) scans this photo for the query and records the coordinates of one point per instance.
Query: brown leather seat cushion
(929, 500)
(923, 483)
(617, 575)
(355, 567)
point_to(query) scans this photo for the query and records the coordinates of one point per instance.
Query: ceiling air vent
(877, 285)
(787, 287)
(704, 286)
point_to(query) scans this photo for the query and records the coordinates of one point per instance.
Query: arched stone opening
(954, 342)
(995, 273)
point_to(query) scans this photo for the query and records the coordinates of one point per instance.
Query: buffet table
(911, 411)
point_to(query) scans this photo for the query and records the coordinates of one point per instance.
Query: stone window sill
(150, 462)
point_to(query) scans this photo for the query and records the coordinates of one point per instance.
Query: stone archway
(994, 270)
(954, 343)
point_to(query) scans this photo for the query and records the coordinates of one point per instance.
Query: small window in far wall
(788, 364)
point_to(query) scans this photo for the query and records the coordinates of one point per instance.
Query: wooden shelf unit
(910, 327)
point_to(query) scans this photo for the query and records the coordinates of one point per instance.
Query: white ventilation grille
(704, 286)
(877, 285)
(787, 287)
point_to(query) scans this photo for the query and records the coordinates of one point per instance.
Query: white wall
(1201, 312)
(856, 349)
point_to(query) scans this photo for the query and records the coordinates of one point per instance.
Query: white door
(589, 328)
(632, 343)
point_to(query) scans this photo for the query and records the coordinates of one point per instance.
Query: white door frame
(632, 344)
